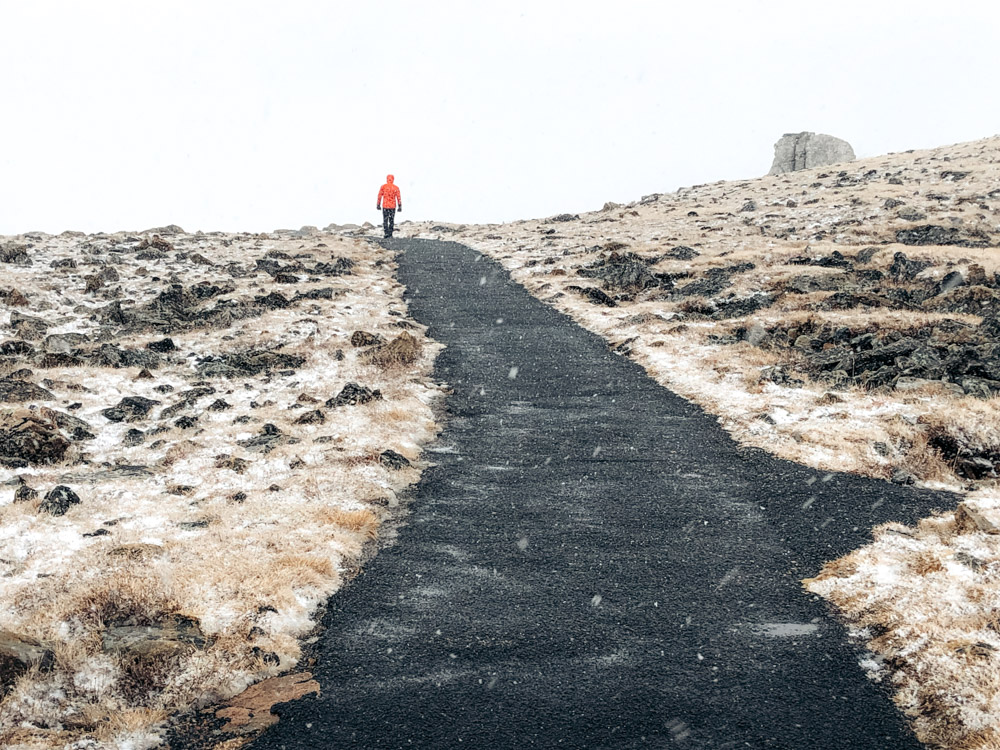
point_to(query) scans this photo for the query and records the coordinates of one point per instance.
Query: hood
(389, 178)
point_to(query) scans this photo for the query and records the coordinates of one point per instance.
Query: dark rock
(353, 394)
(220, 404)
(903, 477)
(58, 500)
(233, 463)
(19, 391)
(626, 272)
(364, 338)
(749, 206)
(682, 252)
(18, 654)
(57, 359)
(163, 346)
(954, 175)
(28, 327)
(980, 387)
(29, 438)
(186, 422)
(311, 417)
(130, 409)
(904, 269)
(98, 532)
(253, 362)
(932, 234)
(950, 281)
(273, 301)
(835, 260)
(892, 203)
(908, 213)
(392, 460)
(24, 494)
(339, 267)
(14, 253)
(595, 295)
(16, 348)
(111, 355)
(134, 437)
(269, 438)
(738, 307)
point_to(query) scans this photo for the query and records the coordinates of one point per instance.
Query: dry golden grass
(250, 571)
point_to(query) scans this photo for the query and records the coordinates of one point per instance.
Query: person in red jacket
(389, 201)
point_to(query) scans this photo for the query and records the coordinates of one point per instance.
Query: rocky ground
(845, 317)
(200, 437)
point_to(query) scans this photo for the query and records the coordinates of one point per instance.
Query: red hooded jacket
(389, 195)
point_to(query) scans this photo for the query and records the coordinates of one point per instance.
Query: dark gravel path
(592, 563)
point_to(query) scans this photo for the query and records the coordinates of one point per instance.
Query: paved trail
(592, 563)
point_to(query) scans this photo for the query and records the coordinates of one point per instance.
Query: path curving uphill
(592, 563)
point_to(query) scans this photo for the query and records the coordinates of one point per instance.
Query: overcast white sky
(257, 115)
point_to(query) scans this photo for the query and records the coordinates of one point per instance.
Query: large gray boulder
(797, 151)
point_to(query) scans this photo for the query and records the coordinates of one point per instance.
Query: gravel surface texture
(592, 562)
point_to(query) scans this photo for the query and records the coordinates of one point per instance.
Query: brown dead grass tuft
(402, 351)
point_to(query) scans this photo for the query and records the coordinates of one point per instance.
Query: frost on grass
(230, 490)
(850, 323)
(926, 601)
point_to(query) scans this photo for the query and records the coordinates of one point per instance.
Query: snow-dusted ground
(249, 551)
(918, 596)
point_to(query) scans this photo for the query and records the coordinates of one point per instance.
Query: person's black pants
(388, 220)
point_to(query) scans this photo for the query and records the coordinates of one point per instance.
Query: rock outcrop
(797, 151)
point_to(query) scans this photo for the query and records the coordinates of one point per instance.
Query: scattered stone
(19, 391)
(133, 437)
(625, 272)
(595, 295)
(24, 493)
(392, 460)
(682, 252)
(28, 327)
(904, 269)
(902, 477)
(971, 516)
(311, 417)
(932, 234)
(58, 500)
(253, 362)
(28, 438)
(18, 654)
(364, 338)
(13, 298)
(353, 394)
(163, 346)
(174, 636)
(130, 409)
(220, 404)
(269, 438)
(909, 213)
(233, 463)
(186, 422)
